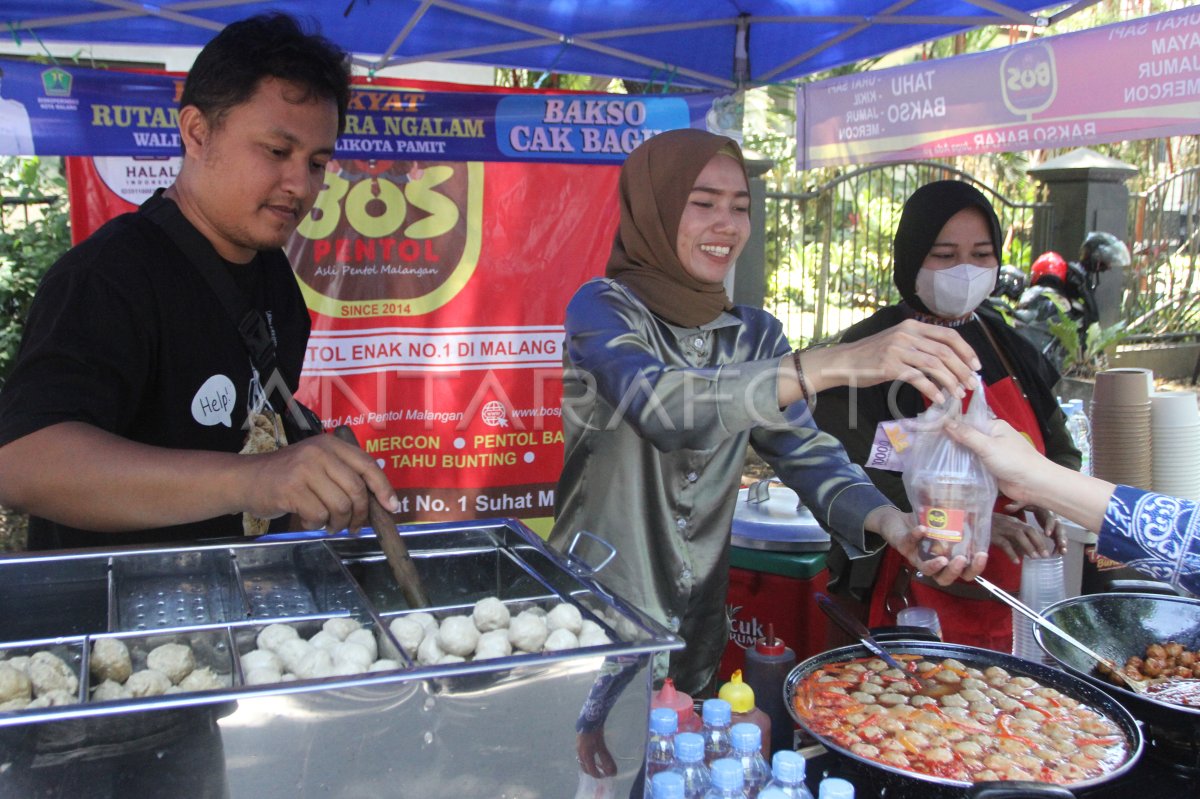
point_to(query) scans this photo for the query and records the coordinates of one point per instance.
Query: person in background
(1156, 534)
(133, 392)
(666, 382)
(945, 260)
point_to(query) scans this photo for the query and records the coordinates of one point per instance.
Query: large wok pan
(1118, 626)
(903, 779)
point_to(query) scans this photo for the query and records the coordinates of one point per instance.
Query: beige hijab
(656, 180)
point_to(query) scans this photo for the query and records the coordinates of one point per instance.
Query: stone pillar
(750, 275)
(1088, 193)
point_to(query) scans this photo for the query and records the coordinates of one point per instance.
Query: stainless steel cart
(496, 728)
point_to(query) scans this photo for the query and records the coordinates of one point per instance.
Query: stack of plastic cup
(1120, 418)
(1042, 584)
(1175, 423)
(917, 616)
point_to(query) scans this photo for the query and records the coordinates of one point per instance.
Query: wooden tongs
(391, 541)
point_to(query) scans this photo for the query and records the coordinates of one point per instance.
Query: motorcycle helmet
(1102, 251)
(1049, 268)
(1009, 283)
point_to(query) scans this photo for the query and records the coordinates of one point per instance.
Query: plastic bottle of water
(727, 780)
(747, 750)
(1081, 433)
(787, 775)
(666, 785)
(660, 749)
(717, 715)
(689, 763)
(835, 788)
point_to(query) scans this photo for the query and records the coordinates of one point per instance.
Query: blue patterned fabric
(1155, 534)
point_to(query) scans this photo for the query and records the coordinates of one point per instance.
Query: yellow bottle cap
(739, 695)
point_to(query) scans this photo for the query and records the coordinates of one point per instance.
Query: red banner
(437, 293)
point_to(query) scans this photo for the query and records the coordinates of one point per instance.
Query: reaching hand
(325, 482)
(1017, 539)
(929, 357)
(902, 534)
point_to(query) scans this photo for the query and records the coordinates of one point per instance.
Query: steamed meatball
(109, 690)
(48, 672)
(14, 684)
(341, 627)
(273, 636)
(493, 644)
(528, 632)
(365, 639)
(490, 614)
(147, 682)
(409, 633)
(174, 660)
(429, 652)
(202, 679)
(261, 659)
(457, 636)
(560, 639)
(565, 617)
(110, 660)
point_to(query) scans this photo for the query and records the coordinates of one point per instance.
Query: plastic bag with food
(951, 492)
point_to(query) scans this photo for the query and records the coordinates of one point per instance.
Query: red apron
(974, 622)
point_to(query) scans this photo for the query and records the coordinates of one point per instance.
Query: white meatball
(490, 614)
(424, 619)
(351, 655)
(147, 682)
(14, 684)
(263, 675)
(293, 652)
(341, 627)
(48, 672)
(55, 698)
(260, 659)
(565, 616)
(493, 644)
(385, 664)
(108, 691)
(593, 636)
(457, 636)
(447, 659)
(273, 636)
(560, 639)
(110, 660)
(19, 662)
(174, 660)
(202, 679)
(365, 639)
(528, 632)
(325, 640)
(429, 652)
(317, 663)
(408, 633)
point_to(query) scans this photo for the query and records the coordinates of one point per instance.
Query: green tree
(34, 232)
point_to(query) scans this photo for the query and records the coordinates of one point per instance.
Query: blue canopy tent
(715, 44)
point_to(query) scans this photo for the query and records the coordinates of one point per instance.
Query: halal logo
(56, 82)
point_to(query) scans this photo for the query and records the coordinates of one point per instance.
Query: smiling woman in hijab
(946, 255)
(666, 382)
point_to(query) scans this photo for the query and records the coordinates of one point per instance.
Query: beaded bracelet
(800, 374)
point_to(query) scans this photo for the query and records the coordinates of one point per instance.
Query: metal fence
(1161, 293)
(828, 251)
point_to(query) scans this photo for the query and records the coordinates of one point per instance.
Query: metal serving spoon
(1137, 686)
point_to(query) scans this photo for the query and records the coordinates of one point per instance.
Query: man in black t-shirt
(134, 393)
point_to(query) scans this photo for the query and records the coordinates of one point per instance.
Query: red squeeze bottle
(768, 664)
(680, 702)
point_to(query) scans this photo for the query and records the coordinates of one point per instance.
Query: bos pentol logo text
(570, 127)
(1028, 78)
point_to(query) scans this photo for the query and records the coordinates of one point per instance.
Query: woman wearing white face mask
(946, 259)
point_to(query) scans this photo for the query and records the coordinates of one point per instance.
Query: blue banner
(67, 110)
